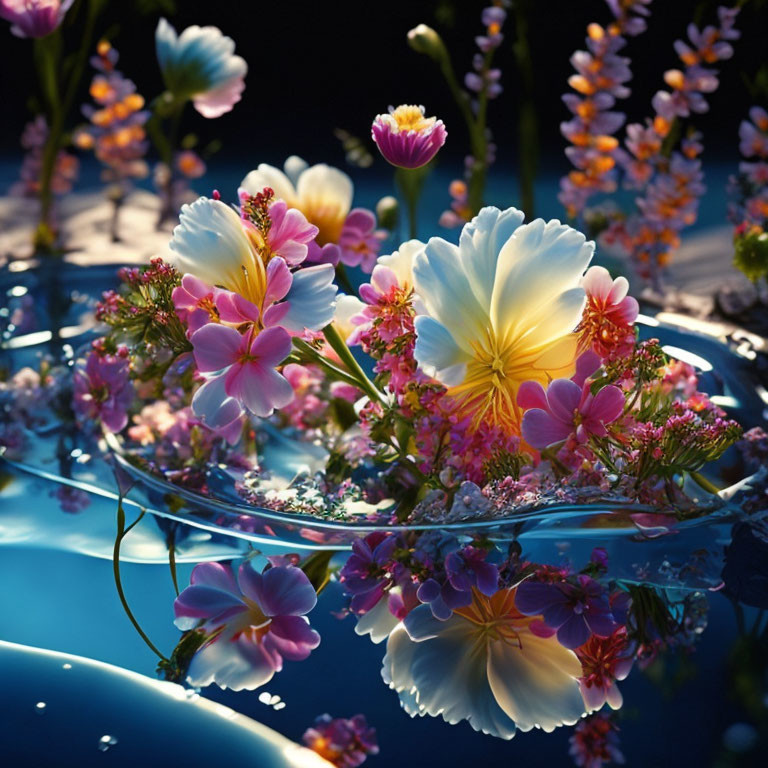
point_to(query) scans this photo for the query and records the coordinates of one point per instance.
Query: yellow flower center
(409, 117)
(255, 622)
(489, 390)
(496, 618)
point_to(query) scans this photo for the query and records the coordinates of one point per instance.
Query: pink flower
(360, 241)
(283, 232)
(252, 624)
(195, 302)
(244, 365)
(344, 742)
(604, 660)
(566, 409)
(406, 138)
(607, 322)
(34, 18)
(102, 388)
(385, 298)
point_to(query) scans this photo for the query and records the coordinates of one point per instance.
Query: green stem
(340, 347)
(342, 278)
(528, 140)
(707, 485)
(475, 125)
(166, 107)
(479, 141)
(410, 190)
(172, 560)
(49, 52)
(122, 532)
(47, 55)
(323, 362)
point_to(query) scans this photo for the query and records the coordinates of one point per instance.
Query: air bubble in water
(66, 666)
(106, 741)
(40, 707)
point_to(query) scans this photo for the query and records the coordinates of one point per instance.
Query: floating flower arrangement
(409, 428)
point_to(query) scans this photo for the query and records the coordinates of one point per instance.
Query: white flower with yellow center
(322, 193)
(501, 309)
(486, 666)
(211, 243)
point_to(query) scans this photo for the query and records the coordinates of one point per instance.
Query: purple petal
(360, 218)
(586, 365)
(205, 603)
(600, 623)
(293, 637)
(213, 406)
(607, 405)
(280, 591)
(533, 597)
(214, 575)
(216, 347)
(271, 346)
(564, 397)
(574, 632)
(531, 395)
(487, 578)
(259, 388)
(540, 429)
(428, 591)
(279, 280)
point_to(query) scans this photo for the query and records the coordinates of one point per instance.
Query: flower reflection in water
(485, 665)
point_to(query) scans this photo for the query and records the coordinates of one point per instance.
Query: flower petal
(279, 591)
(312, 299)
(437, 351)
(536, 684)
(216, 347)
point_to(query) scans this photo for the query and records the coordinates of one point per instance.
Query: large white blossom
(501, 309)
(483, 665)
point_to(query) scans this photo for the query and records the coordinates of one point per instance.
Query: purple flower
(406, 138)
(252, 623)
(360, 241)
(102, 388)
(345, 742)
(366, 574)
(595, 742)
(71, 500)
(467, 569)
(566, 409)
(575, 611)
(34, 18)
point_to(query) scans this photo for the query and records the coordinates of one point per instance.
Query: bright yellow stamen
(489, 390)
(496, 618)
(409, 117)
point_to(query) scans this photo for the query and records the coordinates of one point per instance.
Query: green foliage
(751, 254)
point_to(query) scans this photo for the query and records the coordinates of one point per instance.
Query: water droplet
(66, 666)
(106, 741)
(271, 700)
(40, 707)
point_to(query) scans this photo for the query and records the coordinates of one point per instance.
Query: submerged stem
(706, 484)
(172, 560)
(122, 532)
